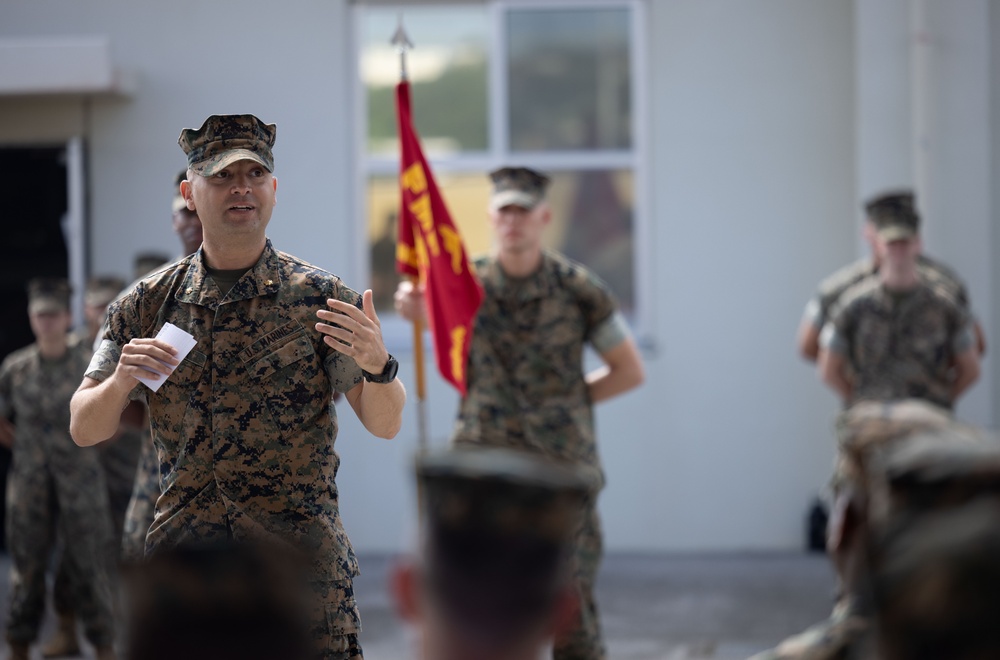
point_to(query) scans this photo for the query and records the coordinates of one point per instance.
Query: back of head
(219, 602)
(934, 552)
(936, 585)
(498, 528)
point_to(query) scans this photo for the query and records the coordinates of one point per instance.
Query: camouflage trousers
(583, 641)
(38, 504)
(336, 622)
(118, 459)
(142, 503)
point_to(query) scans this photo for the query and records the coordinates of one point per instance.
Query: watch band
(388, 372)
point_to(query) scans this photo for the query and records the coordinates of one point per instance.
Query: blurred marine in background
(525, 375)
(51, 474)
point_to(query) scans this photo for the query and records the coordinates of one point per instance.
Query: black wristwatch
(388, 373)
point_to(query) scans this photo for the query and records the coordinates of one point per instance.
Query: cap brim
(210, 166)
(102, 299)
(45, 306)
(896, 233)
(514, 198)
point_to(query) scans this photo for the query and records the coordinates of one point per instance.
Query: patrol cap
(870, 423)
(101, 290)
(894, 215)
(225, 139)
(517, 186)
(178, 201)
(146, 262)
(498, 529)
(48, 295)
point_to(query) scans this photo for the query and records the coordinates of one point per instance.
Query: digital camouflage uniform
(899, 345)
(119, 459)
(824, 305)
(244, 427)
(50, 474)
(526, 390)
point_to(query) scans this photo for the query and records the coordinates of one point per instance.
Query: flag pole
(402, 43)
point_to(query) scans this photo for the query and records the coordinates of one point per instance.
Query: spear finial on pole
(402, 44)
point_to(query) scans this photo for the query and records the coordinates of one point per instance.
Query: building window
(549, 84)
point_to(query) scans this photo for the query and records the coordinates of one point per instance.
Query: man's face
(235, 201)
(898, 252)
(187, 226)
(94, 314)
(49, 325)
(519, 229)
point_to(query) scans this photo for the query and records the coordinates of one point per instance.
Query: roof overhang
(60, 66)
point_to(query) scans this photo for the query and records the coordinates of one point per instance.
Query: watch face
(391, 367)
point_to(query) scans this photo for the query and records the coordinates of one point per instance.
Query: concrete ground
(653, 607)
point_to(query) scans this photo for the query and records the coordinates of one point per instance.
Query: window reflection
(569, 79)
(447, 70)
(592, 214)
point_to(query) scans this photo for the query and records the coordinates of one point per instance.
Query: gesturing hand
(357, 333)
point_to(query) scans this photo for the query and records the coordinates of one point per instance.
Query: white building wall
(768, 122)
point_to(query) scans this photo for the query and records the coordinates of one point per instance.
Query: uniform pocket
(286, 379)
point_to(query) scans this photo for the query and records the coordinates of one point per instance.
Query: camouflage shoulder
(843, 279)
(858, 292)
(317, 279)
(19, 357)
(948, 295)
(940, 270)
(573, 272)
(481, 261)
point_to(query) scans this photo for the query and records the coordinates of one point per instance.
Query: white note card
(180, 340)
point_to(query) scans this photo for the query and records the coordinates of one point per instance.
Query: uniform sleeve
(815, 312)
(609, 333)
(964, 336)
(119, 328)
(599, 307)
(836, 333)
(343, 372)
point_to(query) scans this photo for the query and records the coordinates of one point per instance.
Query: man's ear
(404, 583)
(186, 194)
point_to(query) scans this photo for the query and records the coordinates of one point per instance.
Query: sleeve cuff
(609, 333)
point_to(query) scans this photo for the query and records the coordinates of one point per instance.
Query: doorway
(34, 244)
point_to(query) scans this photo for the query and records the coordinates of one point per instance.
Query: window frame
(396, 332)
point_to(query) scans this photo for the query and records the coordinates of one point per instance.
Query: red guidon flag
(430, 249)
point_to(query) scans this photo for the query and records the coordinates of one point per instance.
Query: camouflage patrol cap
(894, 215)
(48, 294)
(868, 423)
(499, 526)
(178, 201)
(102, 290)
(146, 262)
(517, 186)
(225, 139)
